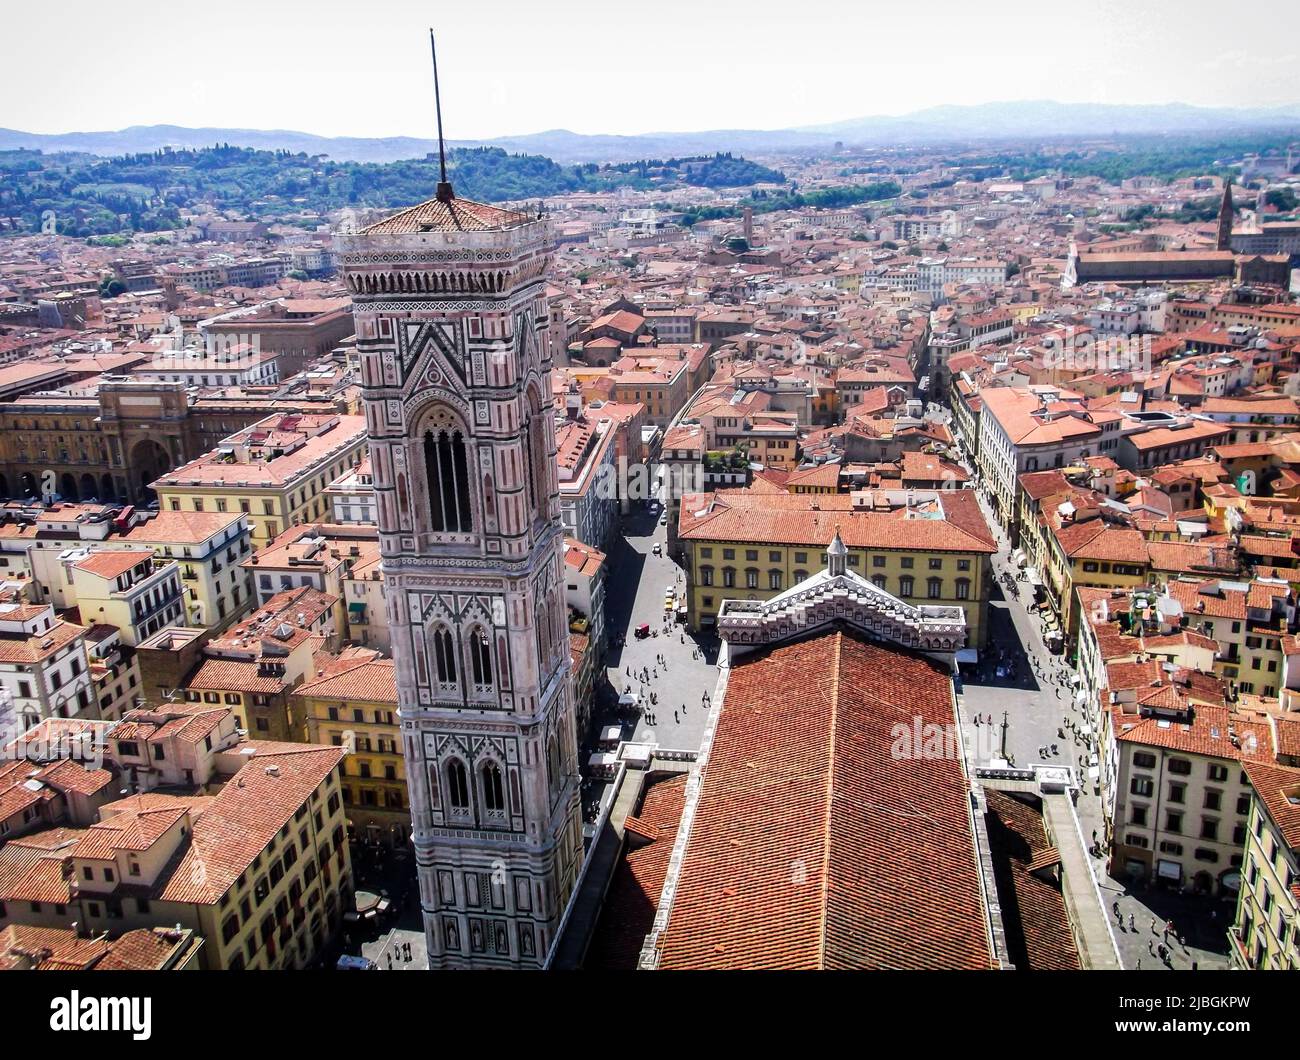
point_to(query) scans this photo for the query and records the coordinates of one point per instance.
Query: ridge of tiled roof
(800, 777)
(457, 215)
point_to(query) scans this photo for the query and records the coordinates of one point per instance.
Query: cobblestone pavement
(681, 668)
(1039, 707)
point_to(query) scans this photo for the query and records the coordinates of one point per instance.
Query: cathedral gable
(429, 356)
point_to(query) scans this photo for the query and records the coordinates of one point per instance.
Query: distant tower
(1224, 242)
(748, 216)
(449, 299)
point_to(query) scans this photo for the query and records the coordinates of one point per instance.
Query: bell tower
(1223, 239)
(449, 308)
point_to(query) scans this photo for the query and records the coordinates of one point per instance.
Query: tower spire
(445, 192)
(836, 554)
(1224, 241)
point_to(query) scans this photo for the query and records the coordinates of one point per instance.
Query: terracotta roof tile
(812, 846)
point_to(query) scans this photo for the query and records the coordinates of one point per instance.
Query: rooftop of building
(800, 778)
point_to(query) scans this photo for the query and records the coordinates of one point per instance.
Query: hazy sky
(518, 66)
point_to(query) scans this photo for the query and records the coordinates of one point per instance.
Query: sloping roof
(633, 899)
(812, 846)
(237, 825)
(811, 519)
(458, 215)
(1038, 927)
(363, 680)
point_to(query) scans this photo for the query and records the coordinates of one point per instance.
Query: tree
(1284, 199)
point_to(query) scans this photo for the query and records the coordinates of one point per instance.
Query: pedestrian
(1151, 947)
(1169, 927)
(676, 719)
(1154, 930)
(1132, 925)
(1115, 906)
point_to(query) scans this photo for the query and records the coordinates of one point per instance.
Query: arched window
(545, 636)
(774, 579)
(447, 473)
(800, 575)
(457, 785)
(539, 480)
(553, 759)
(444, 654)
(494, 794)
(480, 657)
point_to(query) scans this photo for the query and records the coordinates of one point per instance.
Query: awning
(1169, 870)
(1032, 576)
(967, 655)
(357, 607)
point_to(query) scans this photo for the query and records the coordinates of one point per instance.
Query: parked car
(658, 550)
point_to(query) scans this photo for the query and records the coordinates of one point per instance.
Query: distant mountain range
(985, 121)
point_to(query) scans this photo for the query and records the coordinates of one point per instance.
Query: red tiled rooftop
(814, 847)
(458, 215)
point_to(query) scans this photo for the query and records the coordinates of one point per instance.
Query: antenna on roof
(444, 193)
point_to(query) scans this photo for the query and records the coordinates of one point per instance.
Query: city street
(1038, 704)
(635, 595)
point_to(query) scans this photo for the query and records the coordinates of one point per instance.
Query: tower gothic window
(480, 654)
(494, 796)
(538, 482)
(446, 468)
(444, 654)
(457, 785)
(553, 760)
